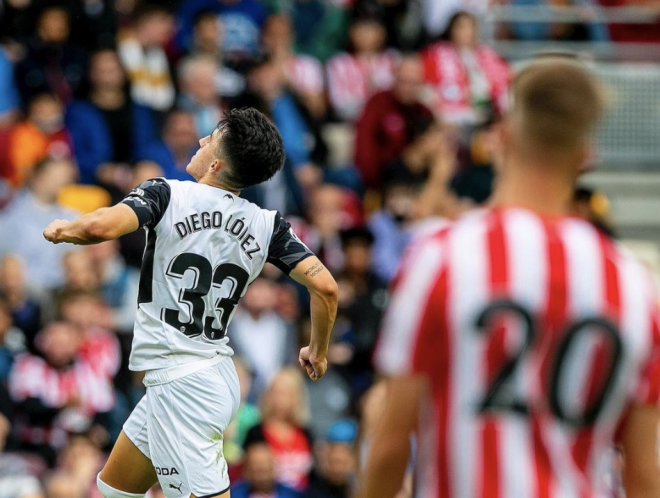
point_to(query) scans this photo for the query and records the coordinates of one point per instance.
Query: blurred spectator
(15, 480)
(319, 25)
(354, 77)
(241, 22)
(248, 416)
(391, 226)
(40, 135)
(94, 23)
(337, 465)
(23, 222)
(63, 391)
(595, 208)
(198, 92)
(12, 341)
(284, 415)
(468, 79)
(9, 98)
(63, 485)
(142, 53)
(437, 15)
(180, 142)
(364, 299)
(386, 125)
(118, 283)
(52, 64)
(259, 335)
(80, 461)
(259, 476)
(108, 128)
(207, 40)
(25, 308)
(635, 33)
(304, 73)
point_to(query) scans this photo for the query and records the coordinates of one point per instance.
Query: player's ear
(216, 166)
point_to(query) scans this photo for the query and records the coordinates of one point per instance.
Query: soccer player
(521, 342)
(205, 245)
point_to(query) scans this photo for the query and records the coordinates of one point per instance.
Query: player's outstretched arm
(322, 288)
(639, 440)
(389, 453)
(93, 228)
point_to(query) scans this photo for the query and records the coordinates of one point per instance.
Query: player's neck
(538, 187)
(214, 182)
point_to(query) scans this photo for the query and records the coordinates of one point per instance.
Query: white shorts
(179, 425)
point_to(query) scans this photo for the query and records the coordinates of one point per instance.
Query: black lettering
(158, 471)
(236, 228)
(250, 253)
(181, 230)
(240, 237)
(246, 242)
(217, 219)
(174, 471)
(228, 221)
(195, 222)
(206, 220)
(190, 230)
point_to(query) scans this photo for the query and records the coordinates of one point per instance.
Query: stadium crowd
(97, 96)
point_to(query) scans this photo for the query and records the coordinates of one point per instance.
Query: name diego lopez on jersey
(235, 227)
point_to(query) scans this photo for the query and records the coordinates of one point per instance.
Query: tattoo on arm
(314, 270)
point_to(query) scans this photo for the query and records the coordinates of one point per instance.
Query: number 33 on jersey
(204, 247)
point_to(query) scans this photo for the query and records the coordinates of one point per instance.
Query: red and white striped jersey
(536, 334)
(305, 74)
(352, 79)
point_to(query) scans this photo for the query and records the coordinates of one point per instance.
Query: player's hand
(52, 231)
(315, 366)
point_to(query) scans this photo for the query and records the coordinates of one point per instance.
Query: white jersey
(204, 247)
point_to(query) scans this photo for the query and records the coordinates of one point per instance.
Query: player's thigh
(128, 469)
(223, 495)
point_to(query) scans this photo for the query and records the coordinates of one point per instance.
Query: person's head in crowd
(425, 136)
(84, 310)
(154, 24)
(285, 399)
(106, 73)
(266, 79)
(197, 79)
(59, 343)
(102, 256)
(594, 207)
(179, 132)
(145, 170)
(462, 30)
(13, 285)
(244, 150)
(81, 457)
(49, 176)
(207, 33)
(53, 24)
(259, 468)
(399, 197)
(277, 35)
(64, 485)
(356, 244)
(337, 461)
(367, 33)
(555, 104)
(79, 271)
(288, 305)
(260, 298)
(408, 79)
(46, 112)
(325, 210)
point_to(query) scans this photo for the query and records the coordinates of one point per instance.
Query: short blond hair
(556, 103)
(300, 414)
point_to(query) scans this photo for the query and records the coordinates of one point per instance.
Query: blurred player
(205, 245)
(523, 341)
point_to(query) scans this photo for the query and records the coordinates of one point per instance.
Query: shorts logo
(167, 471)
(178, 488)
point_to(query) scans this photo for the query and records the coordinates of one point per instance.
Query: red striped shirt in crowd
(536, 334)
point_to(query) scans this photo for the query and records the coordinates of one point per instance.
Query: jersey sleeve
(413, 328)
(286, 250)
(149, 201)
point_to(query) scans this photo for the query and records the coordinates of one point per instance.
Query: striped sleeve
(410, 311)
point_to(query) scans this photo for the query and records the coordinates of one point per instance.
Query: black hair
(446, 34)
(358, 234)
(251, 146)
(419, 125)
(148, 9)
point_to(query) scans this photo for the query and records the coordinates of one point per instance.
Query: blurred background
(386, 109)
